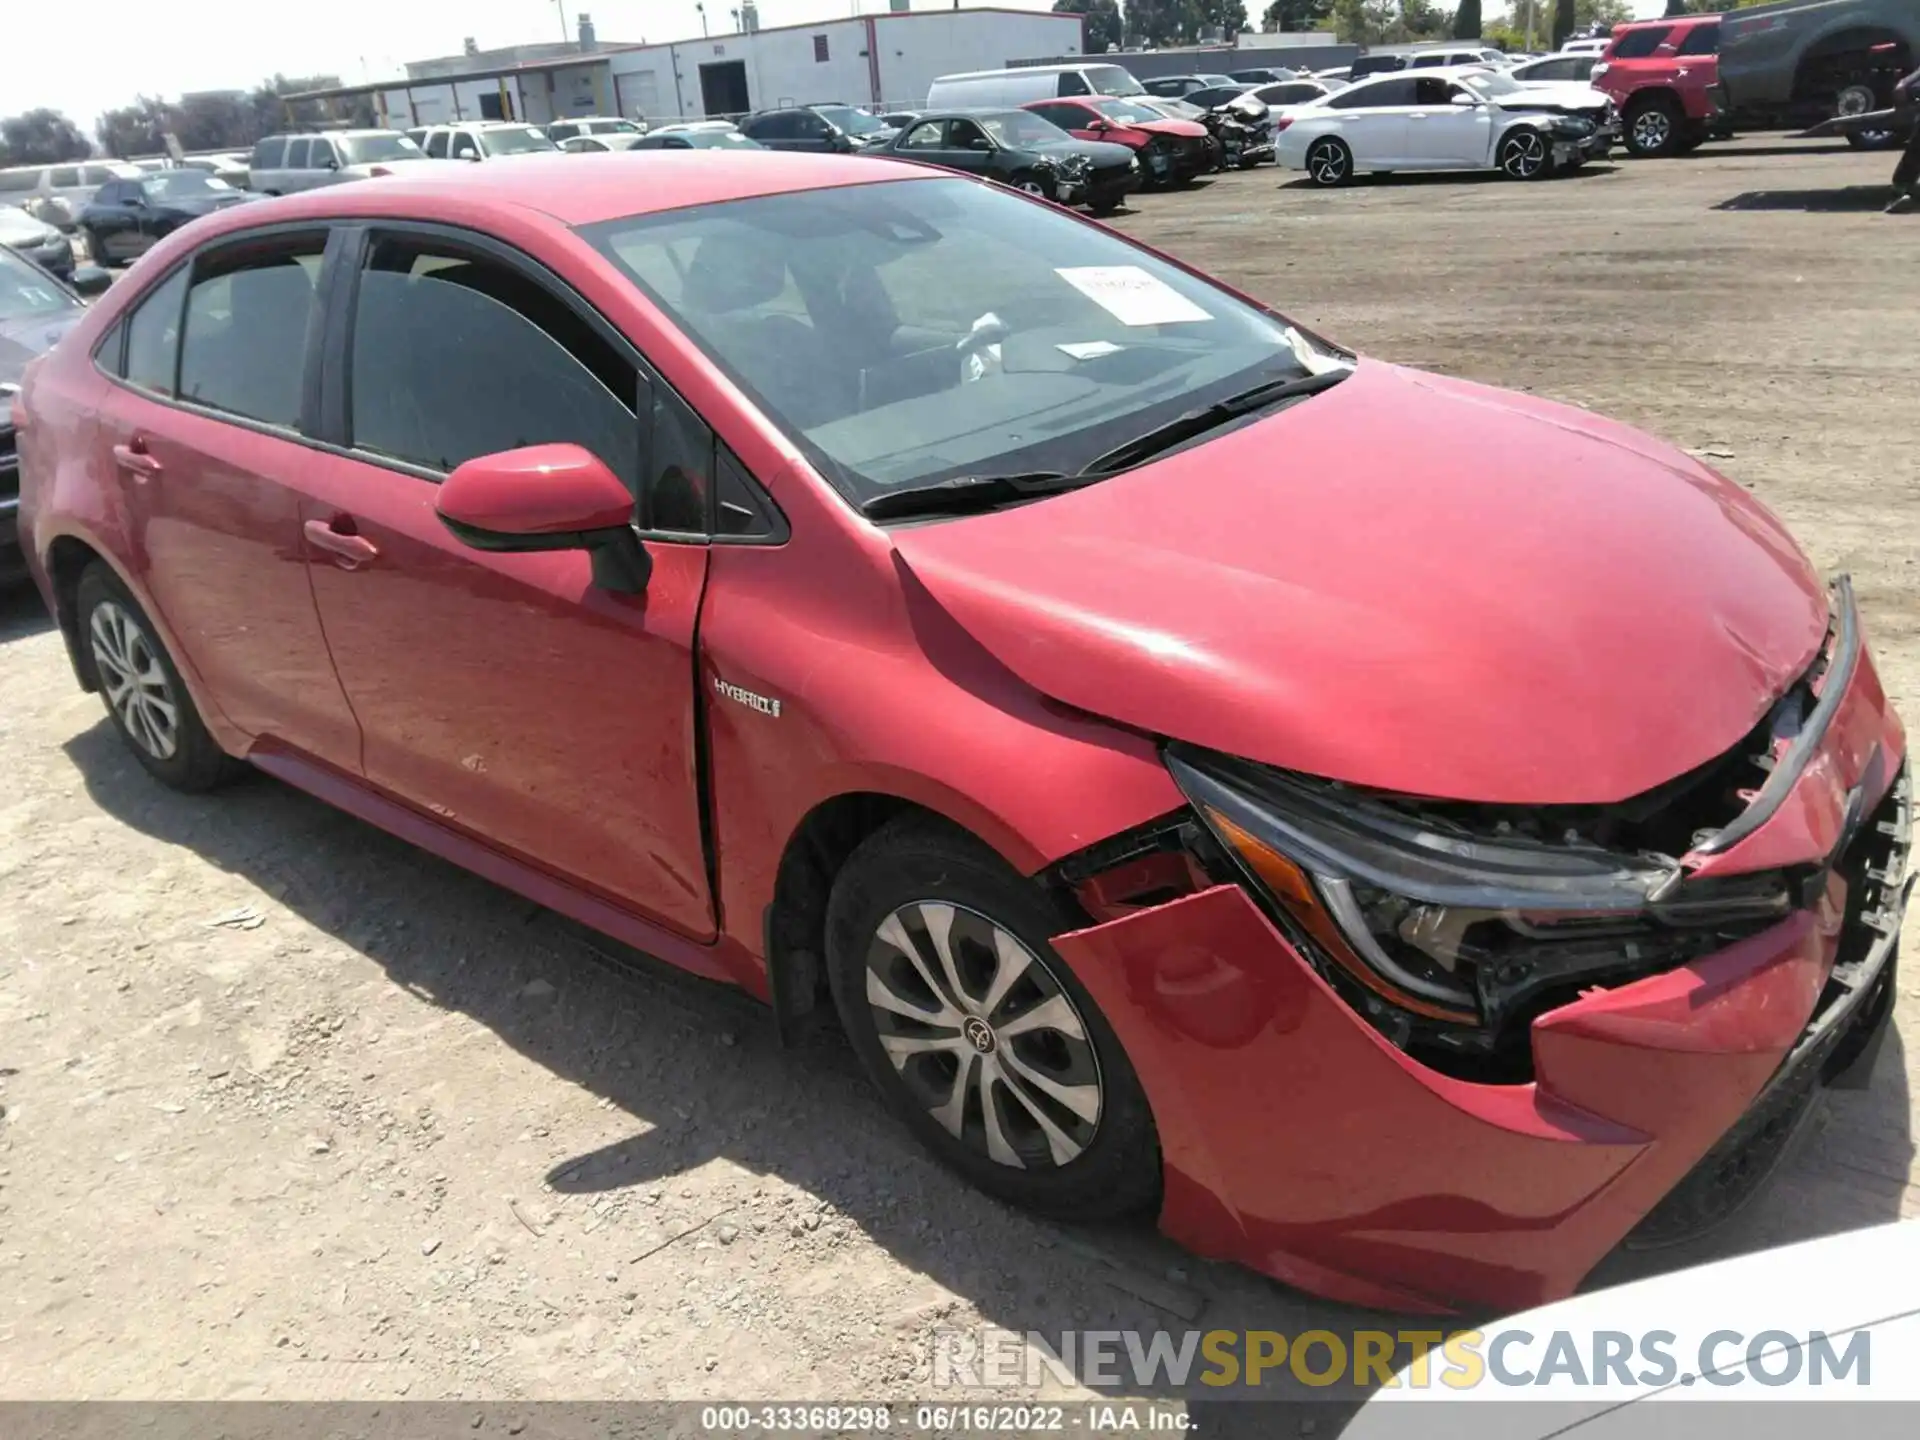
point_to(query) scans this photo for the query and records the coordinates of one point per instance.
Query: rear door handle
(133, 457)
(349, 550)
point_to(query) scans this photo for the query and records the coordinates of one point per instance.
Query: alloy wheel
(136, 685)
(1327, 164)
(1652, 129)
(1524, 155)
(1032, 187)
(983, 1036)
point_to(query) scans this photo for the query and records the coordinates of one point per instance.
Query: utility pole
(701, 7)
(561, 6)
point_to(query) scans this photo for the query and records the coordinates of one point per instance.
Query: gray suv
(288, 164)
(57, 193)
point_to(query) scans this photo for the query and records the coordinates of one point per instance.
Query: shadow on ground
(22, 613)
(1841, 198)
(645, 1037)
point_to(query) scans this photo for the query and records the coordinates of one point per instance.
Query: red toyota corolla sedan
(1412, 836)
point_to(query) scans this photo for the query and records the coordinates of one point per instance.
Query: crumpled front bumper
(1298, 1141)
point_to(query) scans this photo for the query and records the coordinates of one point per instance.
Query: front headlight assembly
(1451, 926)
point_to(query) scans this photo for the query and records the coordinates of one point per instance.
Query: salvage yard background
(288, 1109)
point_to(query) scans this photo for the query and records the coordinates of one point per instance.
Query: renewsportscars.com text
(1460, 1360)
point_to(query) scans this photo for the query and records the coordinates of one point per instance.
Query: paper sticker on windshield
(1131, 295)
(1090, 349)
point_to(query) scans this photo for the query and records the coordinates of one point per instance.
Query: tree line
(221, 120)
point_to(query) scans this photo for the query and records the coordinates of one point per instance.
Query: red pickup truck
(1661, 75)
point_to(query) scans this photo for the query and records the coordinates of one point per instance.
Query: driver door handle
(350, 551)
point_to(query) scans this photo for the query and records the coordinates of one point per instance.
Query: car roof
(558, 185)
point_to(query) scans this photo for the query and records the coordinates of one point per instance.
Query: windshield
(1020, 127)
(612, 127)
(25, 292)
(1491, 83)
(722, 140)
(183, 185)
(515, 140)
(854, 122)
(912, 330)
(1111, 80)
(370, 149)
(1127, 112)
(1214, 82)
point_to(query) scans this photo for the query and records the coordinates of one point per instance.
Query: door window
(296, 155)
(1638, 44)
(66, 177)
(19, 181)
(924, 137)
(268, 154)
(463, 145)
(1430, 91)
(1380, 95)
(965, 135)
(437, 145)
(95, 174)
(321, 155)
(809, 126)
(245, 345)
(457, 355)
(153, 336)
(1071, 83)
(680, 461)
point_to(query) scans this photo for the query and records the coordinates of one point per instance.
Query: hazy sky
(86, 57)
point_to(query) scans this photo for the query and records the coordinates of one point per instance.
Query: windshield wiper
(1198, 422)
(962, 493)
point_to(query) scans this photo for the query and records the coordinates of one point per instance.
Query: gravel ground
(288, 1109)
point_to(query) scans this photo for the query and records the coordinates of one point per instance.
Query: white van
(1005, 89)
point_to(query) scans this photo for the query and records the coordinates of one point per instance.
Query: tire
(156, 718)
(1525, 154)
(1329, 162)
(96, 249)
(1654, 126)
(1028, 183)
(1873, 140)
(1095, 1154)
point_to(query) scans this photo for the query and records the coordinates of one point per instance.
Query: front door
(1443, 134)
(505, 694)
(965, 147)
(115, 221)
(211, 482)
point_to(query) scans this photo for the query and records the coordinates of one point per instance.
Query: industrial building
(870, 59)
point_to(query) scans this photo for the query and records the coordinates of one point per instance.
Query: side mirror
(547, 497)
(90, 280)
(333, 164)
(1465, 100)
(132, 202)
(1099, 126)
(473, 155)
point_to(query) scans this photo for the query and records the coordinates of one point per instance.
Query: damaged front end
(1417, 1053)
(1452, 926)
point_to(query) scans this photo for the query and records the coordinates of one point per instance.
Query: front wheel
(1028, 183)
(978, 1035)
(96, 248)
(1524, 155)
(1329, 162)
(145, 697)
(1654, 126)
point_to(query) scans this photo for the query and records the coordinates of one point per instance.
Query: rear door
(504, 693)
(207, 434)
(1372, 119)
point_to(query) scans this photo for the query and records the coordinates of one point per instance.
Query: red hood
(1406, 582)
(1168, 126)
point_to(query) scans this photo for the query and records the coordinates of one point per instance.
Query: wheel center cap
(979, 1034)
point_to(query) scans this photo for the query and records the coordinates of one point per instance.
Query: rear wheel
(1329, 162)
(144, 695)
(978, 1035)
(96, 247)
(1654, 126)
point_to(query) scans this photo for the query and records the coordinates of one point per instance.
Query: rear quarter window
(268, 154)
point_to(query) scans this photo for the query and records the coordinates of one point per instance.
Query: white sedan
(1444, 120)
(1825, 1321)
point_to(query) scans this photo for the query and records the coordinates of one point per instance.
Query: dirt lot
(389, 1132)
